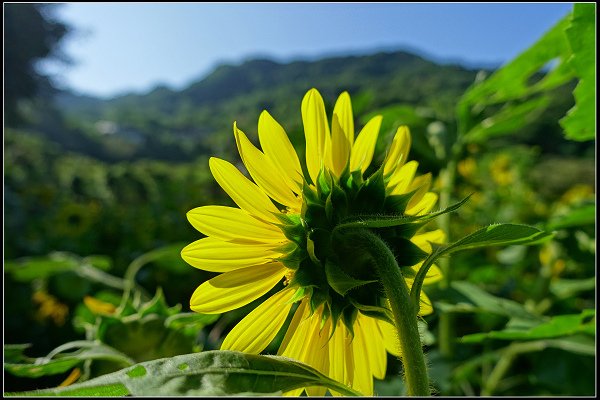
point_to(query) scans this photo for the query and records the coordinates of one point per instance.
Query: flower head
(286, 235)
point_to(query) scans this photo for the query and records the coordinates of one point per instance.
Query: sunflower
(284, 235)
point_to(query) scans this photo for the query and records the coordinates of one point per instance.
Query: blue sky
(122, 47)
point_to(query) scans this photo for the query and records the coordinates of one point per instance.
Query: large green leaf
(512, 81)
(519, 89)
(202, 374)
(580, 121)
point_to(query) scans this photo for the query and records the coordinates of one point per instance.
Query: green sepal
(315, 216)
(288, 219)
(371, 196)
(336, 206)
(349, 315)
(295, 233)
(378, 312)
(355, 181)
(317, 298)
(319, 244)
(336, 307)
(324, 184)
(292, 260)
(308, 275)
(324, 316)
(300, 293)
(407, 253)
(340, 281)
(396, 204)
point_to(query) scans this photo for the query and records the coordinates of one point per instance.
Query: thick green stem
(404, 311)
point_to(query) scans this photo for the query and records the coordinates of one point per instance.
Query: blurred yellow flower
(501, 170)
(282, 235)
(50, 308)
(467, 167)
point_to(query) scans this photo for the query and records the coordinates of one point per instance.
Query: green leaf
(522, 79)
(511, 82)
(340, 281)
(486, 302)
(580, 121)
(197, 320)
(565, 288)
(584, 214)
(387, 221)
(51, 367)
(210, 373)
(14, 352)
(493, 235)
(56, 362)
(557, 326)
(30, 268)
(499, 234)
(509, 119)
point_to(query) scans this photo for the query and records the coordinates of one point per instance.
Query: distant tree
(31, 34)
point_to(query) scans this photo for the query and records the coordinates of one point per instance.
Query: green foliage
(113, 179)
(210, 373)
(580, 121)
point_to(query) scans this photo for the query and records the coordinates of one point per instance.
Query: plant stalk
(404, 311)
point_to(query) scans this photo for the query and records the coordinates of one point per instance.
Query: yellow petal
(376, 349)
(423, 206)
(425, 307)
(340, 147)
(237, 288)
(398, 153)
(265, 173)
(390, 338)
(253, 333)
(363, 379)
(277, 146)
(210, 254)
(243, 192)
(316, 132)
(424, 240)
(434, 273)
(318, 354)
(402, 177)
(299, 318)
(362, 151)
(233, 224)
(343, 109)
(421, 184)
(341, 357)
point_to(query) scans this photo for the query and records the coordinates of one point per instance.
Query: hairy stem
(403, 309)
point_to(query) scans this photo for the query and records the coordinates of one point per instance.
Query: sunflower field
(330, 240)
